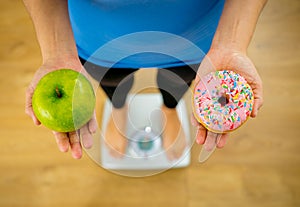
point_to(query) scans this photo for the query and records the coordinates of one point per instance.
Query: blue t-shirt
(144, 33)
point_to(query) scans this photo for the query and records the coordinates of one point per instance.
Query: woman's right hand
(69, 139)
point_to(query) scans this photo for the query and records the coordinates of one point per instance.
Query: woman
(72, 33)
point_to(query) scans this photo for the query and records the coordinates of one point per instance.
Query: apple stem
(57, 92)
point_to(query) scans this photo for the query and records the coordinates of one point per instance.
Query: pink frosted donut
(223, 101)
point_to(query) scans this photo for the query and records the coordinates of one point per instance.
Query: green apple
(63, 100)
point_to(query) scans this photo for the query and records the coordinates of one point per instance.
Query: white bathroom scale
(144, 128)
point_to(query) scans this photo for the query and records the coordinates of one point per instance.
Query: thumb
(28, 105)
(257, 89)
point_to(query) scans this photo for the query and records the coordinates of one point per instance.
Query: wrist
(225, 51)
(229, 43)
(62, 60)
(58, 51)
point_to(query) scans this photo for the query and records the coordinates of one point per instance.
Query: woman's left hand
(239, 62)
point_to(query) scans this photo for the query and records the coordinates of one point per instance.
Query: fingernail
(254, 114)
(88, 144)
(35, 123)
(63, 148)
(77, 155)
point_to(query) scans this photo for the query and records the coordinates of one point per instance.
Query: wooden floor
(260, 166)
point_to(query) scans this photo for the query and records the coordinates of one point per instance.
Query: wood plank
(260, 166)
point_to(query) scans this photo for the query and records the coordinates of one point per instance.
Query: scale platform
(144, 128)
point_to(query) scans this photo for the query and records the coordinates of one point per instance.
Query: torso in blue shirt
(144, 33)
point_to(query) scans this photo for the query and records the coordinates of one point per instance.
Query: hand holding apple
(63, 100)
(68, 138)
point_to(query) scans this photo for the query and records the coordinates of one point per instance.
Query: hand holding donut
(238, 62)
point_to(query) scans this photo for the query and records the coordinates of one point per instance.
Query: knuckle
(73, 137)
(220, 146)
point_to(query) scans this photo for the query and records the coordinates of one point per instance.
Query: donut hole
(223, 100)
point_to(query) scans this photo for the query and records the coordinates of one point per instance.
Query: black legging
(116, 82)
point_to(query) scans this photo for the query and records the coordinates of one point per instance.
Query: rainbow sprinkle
(211, 113)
